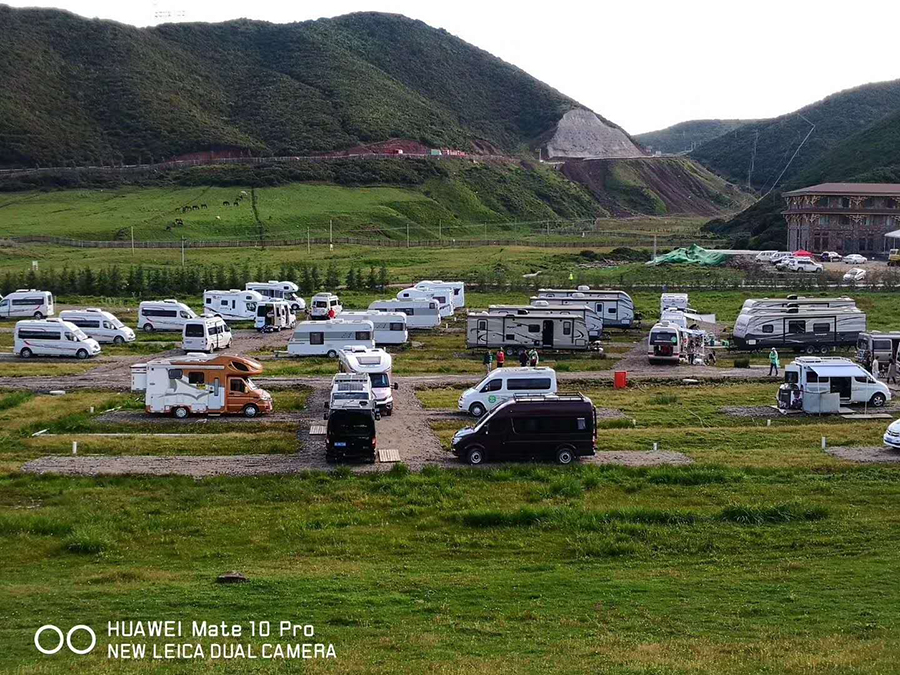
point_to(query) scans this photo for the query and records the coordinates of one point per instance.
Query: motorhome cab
(808, 330)
(233, 305)
(664, 343)
(441, 297)
(835, 375)
(322, 304)
(100, 325)
(559, 427)
(205, 334)
(274, 315)
(878, 344)
(279, 290)
(350, 434)
(538, 329)
(390, 327)
(201, 384)
(503, 384)
(27, 303)
(616, 307)
(673, 300)
(52, 337)
(420, 314)
(592, 320)
(327, 338)
(376, 364)
(458, 299)
(163, 315)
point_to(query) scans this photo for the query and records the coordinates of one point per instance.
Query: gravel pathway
(866, 455)
(753, 411)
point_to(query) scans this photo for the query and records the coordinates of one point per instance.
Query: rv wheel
(877, 400)
(476, 409)
(810, 349)
(823, 350)
(81, 354)
(148, 328)
(25, 353)
(251, 410)
(180, 413)
(475, 456)
(564, 456)
(119, 340)
(38, 316)
(332, 354)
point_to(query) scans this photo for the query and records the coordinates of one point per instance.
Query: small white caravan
(206, 334)
(322, 304)
(390, 327)
(52, 337)
(274, 315)
(233, 305)
(27, 303)
(442, 297)
(166, 315)
(673, 300)
(279, 290)
(376, 363)
(327, 338)
(98, 324)
(458, 299)
(420, 314)
(503, 384)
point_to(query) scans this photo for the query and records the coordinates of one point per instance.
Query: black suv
(350, 434)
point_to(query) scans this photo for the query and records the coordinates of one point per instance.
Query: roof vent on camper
(578, 295)
(273, 281)
(540, 303)
(583, 288)
(173, 300)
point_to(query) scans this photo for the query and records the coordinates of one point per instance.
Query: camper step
(317, 430)
(387, 455)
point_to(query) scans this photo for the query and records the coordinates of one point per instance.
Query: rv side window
(768, 328)
(500, 426)
(791, 377)
(611, 310)
(511, 337)
(482, 324)
(861, 378)
(493, 385)
(821, 328)
(197, 377)
(396, 326)
(530, 383)
(224, 303)
(317, 338)
(175, 373)
(534, 328)
(363, 335)
(209, 301)
(581, 423)
(567, 328)
(881, 345)
(796, 327)
(812, 376)
(409, 311)
(237, 384)
(107, 325)
(70, 337)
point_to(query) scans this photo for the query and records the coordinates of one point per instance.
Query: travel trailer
(323, 303)
(205, 334)
(616, 307)
(165, 315)
(25, 303)
(808, 330)
(279, 290)
(351, 391)
(503, 384)
(52, 337)
(274, 315)
(754, 305)
(376, 364)
(441, 297)
(592, 320)
(543, 330)
(665, 342)
(390, 327)
(233, 305)
(813, 375)
(556, 427)
(673, 300)
(877, 344)
(458, 299)
(201, 384)
(420, 314)
(327, 338)
(98, 324)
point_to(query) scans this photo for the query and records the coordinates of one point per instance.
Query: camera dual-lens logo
(64, 639)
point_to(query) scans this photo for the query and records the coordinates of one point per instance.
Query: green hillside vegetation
(836, 118)
(97, 92)
(684, 136)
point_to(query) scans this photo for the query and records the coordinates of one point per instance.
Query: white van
(665, 343)
(163, 315)
(442, 297)
(234, 305)
(327, 338)
(458, 298)
(836, 375)
(205, 334)
(420, 314)
(376, 363)
(279, 290)
(322, 303)
(52, 337)
(27, 303)
(274, 315)
(351, 391)
(390, 327)
(504, 384)
(98, 324)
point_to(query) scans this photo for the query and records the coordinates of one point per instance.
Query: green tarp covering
(695, 255)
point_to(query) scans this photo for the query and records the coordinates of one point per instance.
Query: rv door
(216, 396)
(481, 332)
(547, 333)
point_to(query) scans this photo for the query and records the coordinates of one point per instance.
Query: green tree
(332, 280)
(87, 283)
(383, 278)
(315, 279)
(372, 282)
(351, 279)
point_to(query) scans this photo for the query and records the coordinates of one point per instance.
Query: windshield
(250, 385)
(379, 380)
(486, 419)
(80, 334)
(862, 343)
(118, 324)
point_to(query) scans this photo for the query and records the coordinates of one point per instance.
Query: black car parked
(350, 434)
(560, 427)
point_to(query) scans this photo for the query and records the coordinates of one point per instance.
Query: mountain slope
(686, 136)
(774, 141)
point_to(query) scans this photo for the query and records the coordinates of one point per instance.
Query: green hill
(769, 144)
(80, 91)
(687, 136)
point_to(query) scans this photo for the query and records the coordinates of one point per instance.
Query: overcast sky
(642, 64)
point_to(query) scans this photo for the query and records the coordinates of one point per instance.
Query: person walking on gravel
(876, 368)
(501, 357)
(523, 357)
(773, 362)
(488, 361)
(892, 371)
(533, 358)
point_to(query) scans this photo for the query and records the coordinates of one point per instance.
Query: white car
(805, 265)
(778, 256)
(765, 256)
(854, 275)
(892, 435)
(831, 256)
(855, 259)
(787, 263)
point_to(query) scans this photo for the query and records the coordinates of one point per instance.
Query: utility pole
(330, 234)
(182, 250)
(440, 232)
(132, 240)
(485, 231)
(654, 246)
(407, 234)
(307, 241)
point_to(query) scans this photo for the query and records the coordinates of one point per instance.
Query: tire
(148, 327)
(251, 410)
(388, 411)
(475, 455)
(477, 410)
(82, 354)
(565, 456)
(118, 340)
(26, 353)
(823, 350)
(38, 315)
(810, 349)
(332, 354)
(877, 400)
(180, 413)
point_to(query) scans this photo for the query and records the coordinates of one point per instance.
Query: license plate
(340, 444)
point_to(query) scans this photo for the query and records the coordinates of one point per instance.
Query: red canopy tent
(802, 254)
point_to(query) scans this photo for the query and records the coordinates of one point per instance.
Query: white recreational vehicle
(351, 391)
(808, 330)
(441, 297)
(205, 334)
(327, 338)
(233, 305)
(420, 314)
(884, 346)
(674, 300)
(390, 327)
(593, 320)
(274, 315)
(100, 325)
(458, 299)
(755, 305)
(279, 290)
(503, 384)
(163, 315)
(814, 375)
(665, 342)
(676, 316)
(52, 337)
(323, 303)
(546, 331)
(27, 303)
(616, 307)
(376, 363)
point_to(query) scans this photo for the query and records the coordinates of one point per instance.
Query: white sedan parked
(854, 275)
(892, 435)
(855, 259)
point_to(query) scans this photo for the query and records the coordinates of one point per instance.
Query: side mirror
(396, 386)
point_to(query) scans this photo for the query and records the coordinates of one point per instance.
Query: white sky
(642, 64)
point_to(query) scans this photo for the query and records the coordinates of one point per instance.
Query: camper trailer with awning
(592, 319)
(616, 307)
(756, 305)
(540, 330)
(805, 330)
(814, 376)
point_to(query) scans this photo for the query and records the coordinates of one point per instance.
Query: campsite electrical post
(407, 234)
(132, 240)
(330, 234)
(182, 250)
(307, 241)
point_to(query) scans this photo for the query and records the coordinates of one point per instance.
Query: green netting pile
(695, 255)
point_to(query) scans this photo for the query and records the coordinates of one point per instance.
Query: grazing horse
(195, 207)
(185, 209)
(203, 206)
(226, 203)
(179, 221)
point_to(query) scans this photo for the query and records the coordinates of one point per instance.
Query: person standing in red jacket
(501, 357)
